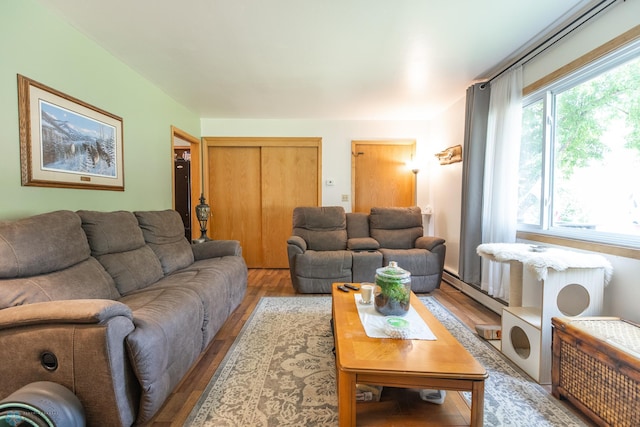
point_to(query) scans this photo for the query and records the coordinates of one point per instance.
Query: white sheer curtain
(500, 200)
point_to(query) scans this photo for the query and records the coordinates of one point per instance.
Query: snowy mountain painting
(74, 143)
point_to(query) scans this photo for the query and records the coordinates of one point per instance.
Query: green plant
(393, 288)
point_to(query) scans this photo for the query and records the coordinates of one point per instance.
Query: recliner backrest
(164, 233)
(41, 244)
(116, 240)
(323, 228)
(47, 257)
(357, 225)
(396, 228)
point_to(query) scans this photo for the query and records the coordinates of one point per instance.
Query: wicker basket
(596, 366)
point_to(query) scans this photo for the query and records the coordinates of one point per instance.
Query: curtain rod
(556, 37)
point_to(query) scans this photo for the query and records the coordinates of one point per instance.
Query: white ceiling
(313, 59)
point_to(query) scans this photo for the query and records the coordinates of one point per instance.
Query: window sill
(623, 251)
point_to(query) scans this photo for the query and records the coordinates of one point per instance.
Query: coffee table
(443, 364)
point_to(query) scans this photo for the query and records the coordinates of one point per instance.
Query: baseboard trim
(473, 292)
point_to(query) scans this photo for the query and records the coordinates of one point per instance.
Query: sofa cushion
(85, 280)
(164, 233)
(231, 269)
(41, 244)
(323, 228)
(111, 232)
(117, 242)
(165, 343)
(419, 262)
(219, 282)
(396, 228)
(132, 270)
(324, 264)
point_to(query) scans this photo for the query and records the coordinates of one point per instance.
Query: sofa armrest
(84, 311)
(428, 242)
(216, 248)
(298, 242)
(362, 244)
(79, 344)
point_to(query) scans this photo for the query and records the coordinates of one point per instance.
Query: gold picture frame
(67, 143)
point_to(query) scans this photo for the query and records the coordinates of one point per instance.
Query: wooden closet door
(253, 185)
(235, 198)
(289, 179)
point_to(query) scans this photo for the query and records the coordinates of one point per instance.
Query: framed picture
(67, 143)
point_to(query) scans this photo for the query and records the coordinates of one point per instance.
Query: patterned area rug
(281, 372)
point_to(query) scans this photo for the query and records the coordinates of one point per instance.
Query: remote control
(350, 286)
(343, 289)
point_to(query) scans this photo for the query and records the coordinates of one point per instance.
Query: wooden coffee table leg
(477, 403)
(346, 398)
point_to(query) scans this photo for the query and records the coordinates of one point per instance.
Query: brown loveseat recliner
(328, 245)
(115, 306)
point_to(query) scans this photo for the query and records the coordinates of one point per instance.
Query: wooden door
(253, 186)
(381, 175)
(286, 183)
(234, 196)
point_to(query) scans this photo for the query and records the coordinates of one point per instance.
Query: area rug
(280, 371)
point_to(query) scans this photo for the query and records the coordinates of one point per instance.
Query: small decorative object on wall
(67, 143)
(450, 155)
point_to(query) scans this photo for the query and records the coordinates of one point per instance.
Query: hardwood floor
(399, 407)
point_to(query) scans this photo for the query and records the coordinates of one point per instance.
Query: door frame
(354, 143)
(195, 149)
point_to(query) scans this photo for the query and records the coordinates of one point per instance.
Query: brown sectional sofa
(115, 306)
(328, 245)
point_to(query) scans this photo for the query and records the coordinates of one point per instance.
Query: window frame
(601, 60)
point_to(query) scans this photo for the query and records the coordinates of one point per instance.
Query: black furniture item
(182, 189)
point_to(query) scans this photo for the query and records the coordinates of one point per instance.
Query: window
(579, 172)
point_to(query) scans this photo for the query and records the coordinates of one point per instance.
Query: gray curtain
(475, 139)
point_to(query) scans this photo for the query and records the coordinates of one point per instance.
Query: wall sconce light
(450, 155)
(203, 211)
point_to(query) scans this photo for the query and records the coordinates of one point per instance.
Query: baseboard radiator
(474, 292)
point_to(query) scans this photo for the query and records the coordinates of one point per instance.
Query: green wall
(36, 43)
